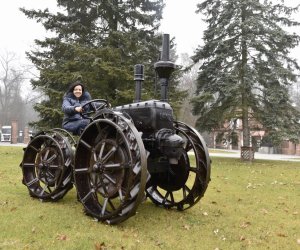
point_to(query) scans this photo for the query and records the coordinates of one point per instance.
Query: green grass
(246, 206)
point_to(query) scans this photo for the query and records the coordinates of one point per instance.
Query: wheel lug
(95, 167)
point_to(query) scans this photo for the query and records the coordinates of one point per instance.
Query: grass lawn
(246, 206)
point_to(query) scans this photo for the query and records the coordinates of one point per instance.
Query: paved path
(14, 145)
(257, 155)
(220, 153)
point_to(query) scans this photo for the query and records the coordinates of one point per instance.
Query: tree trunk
(244, 88)
(247, 152)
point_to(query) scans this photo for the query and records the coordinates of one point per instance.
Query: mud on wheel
(110, 168)
(47, 165)
(184, 183)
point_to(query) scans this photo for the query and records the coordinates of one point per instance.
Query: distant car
(6, 133)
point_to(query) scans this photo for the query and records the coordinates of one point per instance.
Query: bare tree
(188, 82)
(11, 78)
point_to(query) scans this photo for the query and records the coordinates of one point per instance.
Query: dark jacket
(70, 102)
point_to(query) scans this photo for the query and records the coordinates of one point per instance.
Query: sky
(18, 32)
(179, 19)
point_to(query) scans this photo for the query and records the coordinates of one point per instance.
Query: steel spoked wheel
(184, 183)
(110, 169)
(47, 166)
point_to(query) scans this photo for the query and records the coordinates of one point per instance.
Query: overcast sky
(179, 19)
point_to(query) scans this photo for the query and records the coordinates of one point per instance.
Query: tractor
(125, 155)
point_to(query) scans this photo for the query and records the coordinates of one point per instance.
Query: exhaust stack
(164, 68)
(138, 78)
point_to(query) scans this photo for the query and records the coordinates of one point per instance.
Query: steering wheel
(95, 105)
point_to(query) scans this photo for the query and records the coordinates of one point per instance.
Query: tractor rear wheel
(184, 183)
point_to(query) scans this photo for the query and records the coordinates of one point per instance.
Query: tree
(11, 79)
(99, 42)
(247, 69)
(188, 83)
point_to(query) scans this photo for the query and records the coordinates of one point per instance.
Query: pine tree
(99, 42)
(246, 67)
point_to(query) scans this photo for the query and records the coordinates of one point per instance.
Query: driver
(73, 100)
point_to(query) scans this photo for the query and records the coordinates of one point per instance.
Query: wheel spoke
(55, 166)
(115, 165)
(46, 155)
(44, 189)
(35, 180)
(52, 158)
(101, 151)
(110, 179)
(84, 199)
(51, 174)
(34, 148)
(121, 195)
(109, 154)
(81, 170)
(94, 155)
(193, 169)
(88, 146)
(104, 206)
(28, 165)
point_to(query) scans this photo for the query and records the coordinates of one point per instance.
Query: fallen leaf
(61, 237)
(245, 224)
(100, 246)
(216, 231)
(249, 185)
(281, 235)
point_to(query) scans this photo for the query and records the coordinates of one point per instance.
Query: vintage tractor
(125, 154)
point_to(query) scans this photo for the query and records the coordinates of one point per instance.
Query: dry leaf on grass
(100, 246)
(245, 224)
(61, 237)
(242, 238)
(281, 235)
